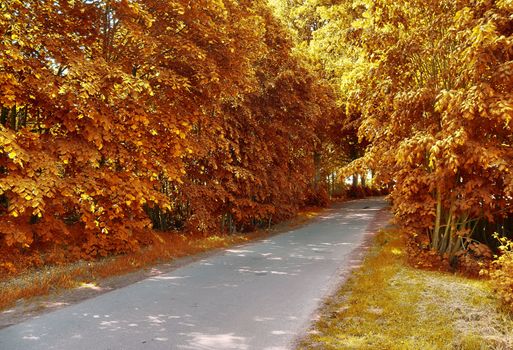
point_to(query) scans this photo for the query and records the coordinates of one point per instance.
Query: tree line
(121, 116)
(426, 93)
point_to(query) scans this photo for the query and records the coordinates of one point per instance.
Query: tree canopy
(117, 116)
(428, 87)
(120, 116)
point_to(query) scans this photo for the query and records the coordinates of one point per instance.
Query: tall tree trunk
(355, 181)
(4, 115)
(13, 119)
(317, 165)
(436, 233)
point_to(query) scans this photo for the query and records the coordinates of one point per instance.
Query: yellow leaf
(431, 162)
(12, 155)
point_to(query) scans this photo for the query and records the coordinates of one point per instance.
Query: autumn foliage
(427, 88)
(119, 116)
(437, 115)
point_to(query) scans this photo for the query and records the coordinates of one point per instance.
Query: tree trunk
(4, 115)
(317, 165)
(13, 118)
(436, 233)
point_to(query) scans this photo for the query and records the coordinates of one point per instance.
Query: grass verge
(387, 304)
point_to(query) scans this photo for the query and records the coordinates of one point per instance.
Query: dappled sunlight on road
(202, 341)
(257, 296)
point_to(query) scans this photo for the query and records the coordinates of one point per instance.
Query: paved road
(257, 296)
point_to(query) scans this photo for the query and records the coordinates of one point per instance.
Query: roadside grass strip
(387, 304)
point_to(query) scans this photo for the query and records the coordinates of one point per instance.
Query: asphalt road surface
(257, 296)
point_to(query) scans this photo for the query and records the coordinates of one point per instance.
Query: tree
(436, 111)
(426, 87)
(121, 115)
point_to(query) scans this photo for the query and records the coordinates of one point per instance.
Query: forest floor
(387, 304)
(52, 287)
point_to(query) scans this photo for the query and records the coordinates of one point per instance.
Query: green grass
(387, 304)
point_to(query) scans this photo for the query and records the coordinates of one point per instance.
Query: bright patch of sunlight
(89, 285)
(396, 251)
(216, 341)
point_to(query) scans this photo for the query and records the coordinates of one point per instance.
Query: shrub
(501, 272)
